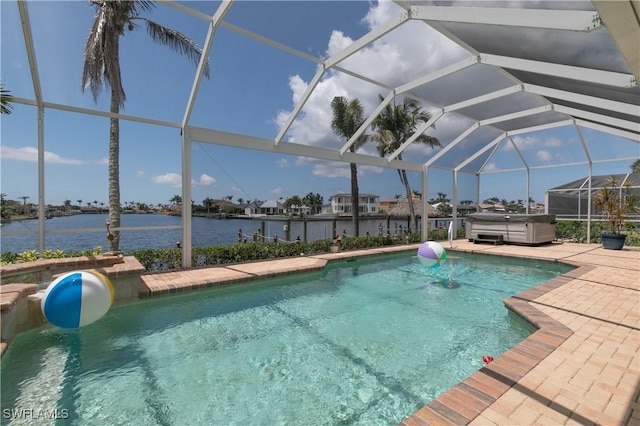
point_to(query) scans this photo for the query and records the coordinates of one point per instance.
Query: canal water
(156, 231)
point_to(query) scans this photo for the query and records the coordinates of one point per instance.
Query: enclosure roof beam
(236, 140)
(609, 78)
(95, 112)
(582, 142)
(442, 72)
(599, 118)
(518, 151)
(303, 100)
(568, 20)
(578, 98)
(423, 128)
(215, 21)
(540, 127)
(484, 98)
(515, 115)
(635, 137)
(498, 142)
(272, 43)
(370, 37)
(480, 152)
(354, 47)
(451, 145)
(618, 17)
(31, 53)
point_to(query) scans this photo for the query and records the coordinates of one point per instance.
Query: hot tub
(527, 229)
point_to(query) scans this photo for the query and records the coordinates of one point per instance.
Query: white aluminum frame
(436, 17)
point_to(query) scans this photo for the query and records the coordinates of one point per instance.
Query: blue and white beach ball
(77, 299)
(431, 254)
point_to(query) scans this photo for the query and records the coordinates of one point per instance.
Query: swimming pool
(364, 342)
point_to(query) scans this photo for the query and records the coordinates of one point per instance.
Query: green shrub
(167, 259)
(576, 231)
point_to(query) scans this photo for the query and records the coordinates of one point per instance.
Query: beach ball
(77, 299)
(431, 254)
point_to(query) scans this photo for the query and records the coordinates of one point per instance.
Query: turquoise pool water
(362, 343)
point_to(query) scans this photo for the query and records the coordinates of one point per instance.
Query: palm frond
(347, 119)
(178, 42)
(101, 53)
(5, 100)
(432, 141)
(339, 108)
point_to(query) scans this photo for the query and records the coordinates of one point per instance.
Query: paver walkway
(582, 367)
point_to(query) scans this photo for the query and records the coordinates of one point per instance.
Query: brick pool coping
(160, 284)
(582, 365)
(469, 398)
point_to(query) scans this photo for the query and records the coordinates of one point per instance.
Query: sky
(252, 90)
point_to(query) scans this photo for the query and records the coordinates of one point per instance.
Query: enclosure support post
(478, 192)
(586, 152)
(528, 189)
(186, 198)
(41, 212)
(589, 205)
(454, 211)
(425, 203)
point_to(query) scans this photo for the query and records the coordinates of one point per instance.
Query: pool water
(366, 342)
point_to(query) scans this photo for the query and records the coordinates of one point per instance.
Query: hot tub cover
(511, 217)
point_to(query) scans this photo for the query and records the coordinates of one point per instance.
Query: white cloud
(206, 180)
(331, 170)
(175, 180)
(544, 155)
(140, 173)
(491, 167)
(277, 190)
(282, 163)
(534, 142)
(171, 179)
(30, 154)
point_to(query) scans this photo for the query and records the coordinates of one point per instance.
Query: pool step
(17, 314)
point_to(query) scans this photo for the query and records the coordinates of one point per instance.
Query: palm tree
(314, 201)
(102, 68)
(24, 205)
(176, 199)
(292, 201)
(5, 100)
(393, 126)
(347, 119)
(635, 167)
